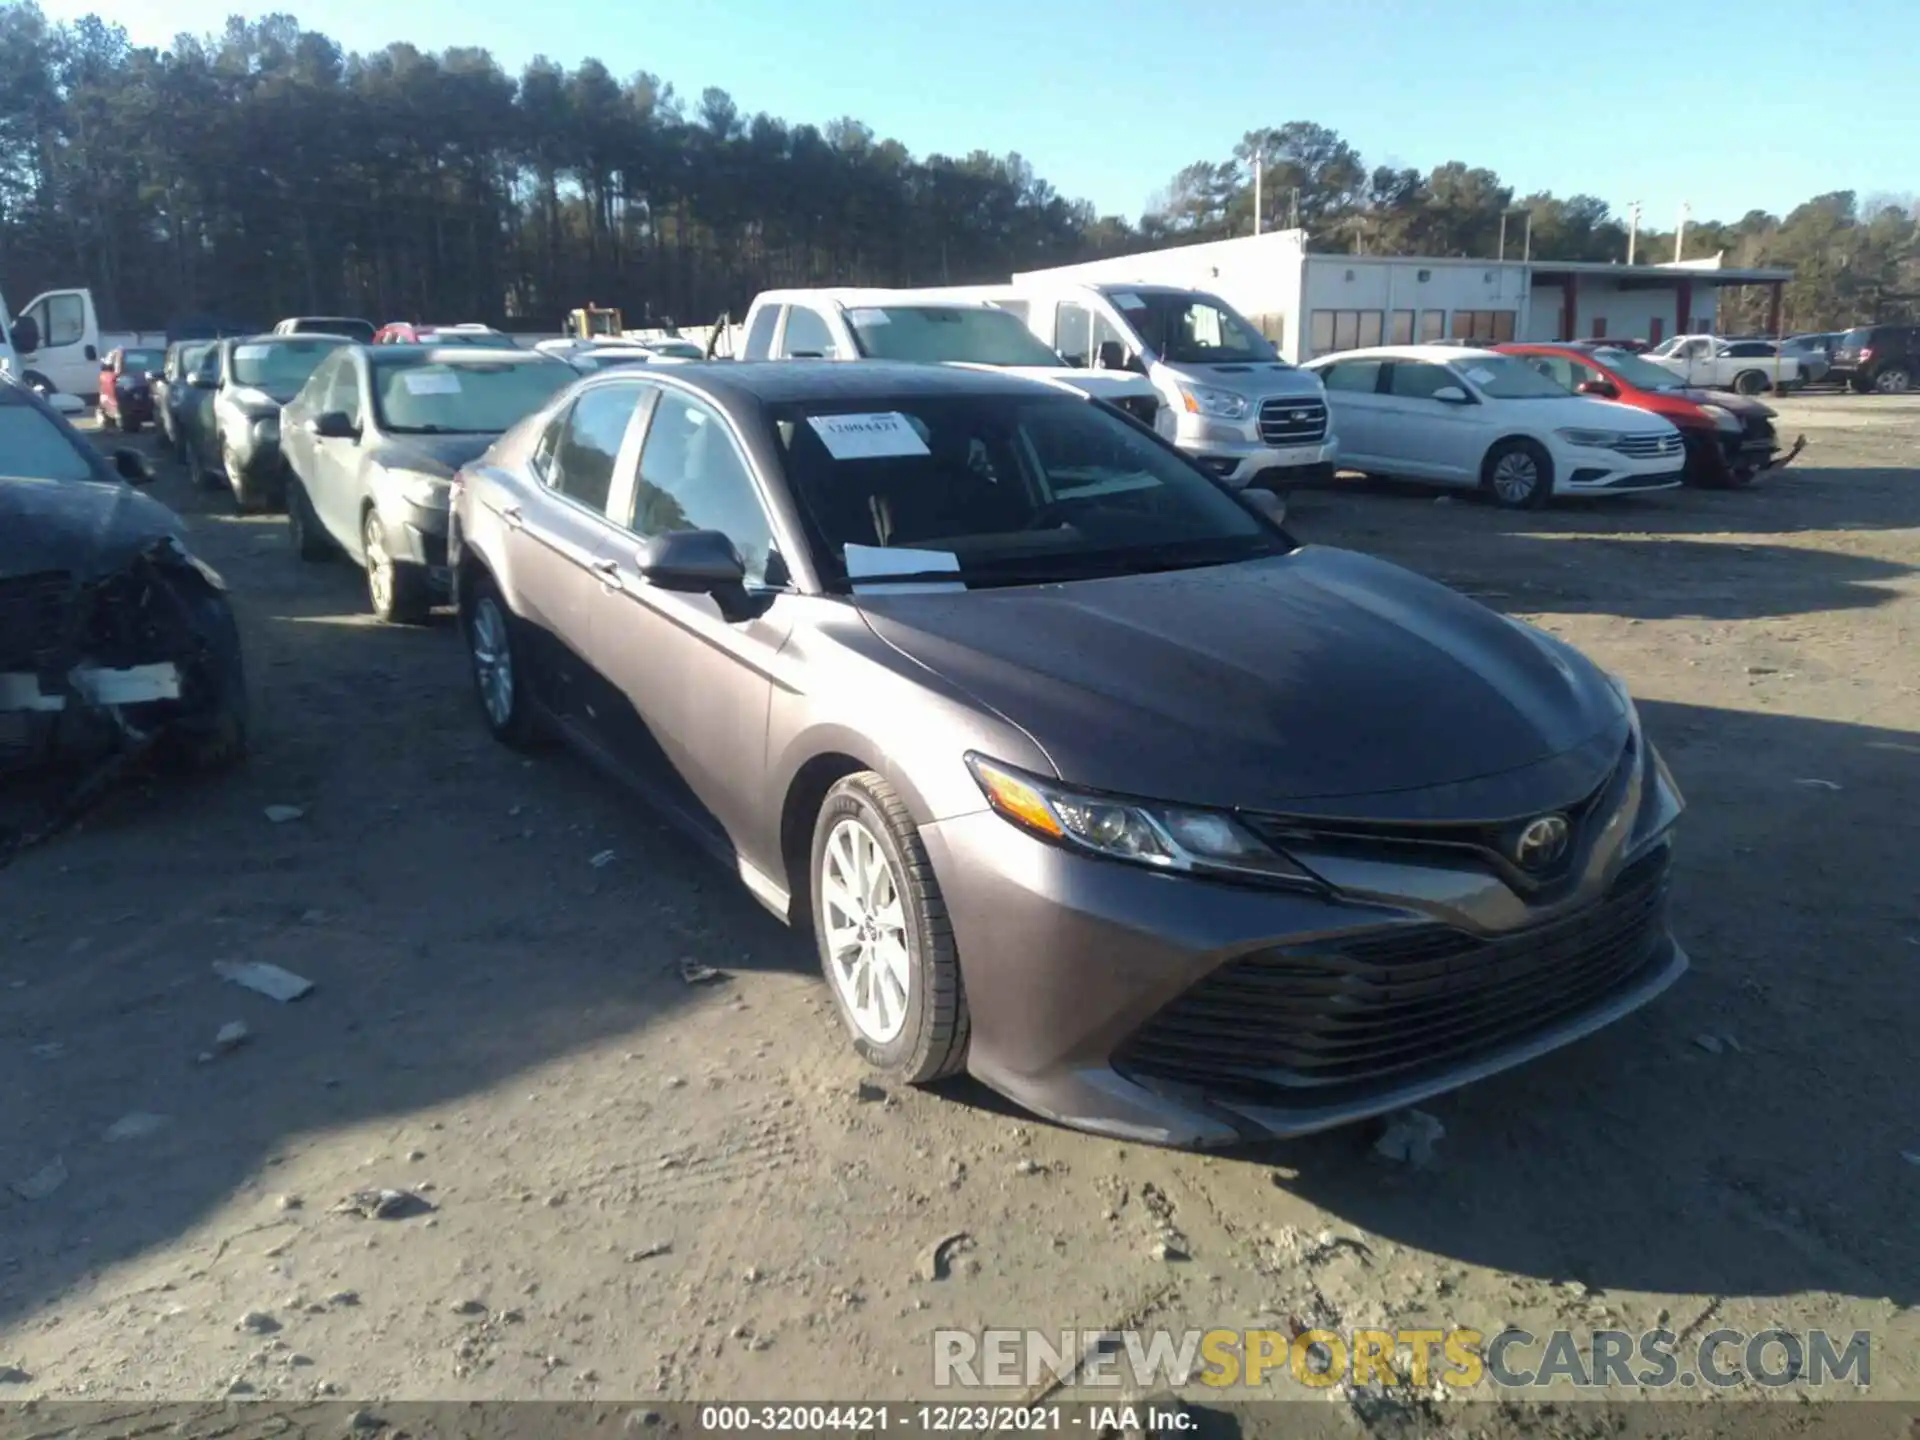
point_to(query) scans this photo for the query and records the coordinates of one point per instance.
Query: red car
(126, 388)
(402, 332)
(1730, 438)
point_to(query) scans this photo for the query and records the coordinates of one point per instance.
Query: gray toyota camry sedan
(1087, 777)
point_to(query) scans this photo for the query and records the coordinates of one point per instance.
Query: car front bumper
(417, 535)
(1175, 1011)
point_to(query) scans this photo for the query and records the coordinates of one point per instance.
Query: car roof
(453, 354)
(853, 295)
(1433, 354)
(779, 381)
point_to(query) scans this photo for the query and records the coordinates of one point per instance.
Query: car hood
(85, 526)
(1103, 384)
(1305, 683)
(1591, 411)
(1261, 379)
(435, 456)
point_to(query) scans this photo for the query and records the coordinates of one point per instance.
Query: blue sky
(1729, 106)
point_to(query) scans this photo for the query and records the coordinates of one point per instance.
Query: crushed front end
(101, 668)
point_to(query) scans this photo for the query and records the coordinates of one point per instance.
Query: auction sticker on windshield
(869, 317)
(876, 563)
(430, 382)
(252, 352)
(868, 437)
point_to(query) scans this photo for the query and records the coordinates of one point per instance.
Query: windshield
(140, 362)
(465, 337)
(1003, 489)
(1855, 340)
(1639, 373)
(32, 447)
(1188, 329)
(281, 367)
(191, 356)
(418, 397)
(678, 349)
(1669, 345)
(1502, 377)
(975, 335)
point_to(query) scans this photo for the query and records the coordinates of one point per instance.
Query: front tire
(397, 590)
(885, 941)
(1518, 474)
(304, 531)
(499, 660)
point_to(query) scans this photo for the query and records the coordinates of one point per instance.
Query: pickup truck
(846, 324)
(1749, 367)
(53, 347)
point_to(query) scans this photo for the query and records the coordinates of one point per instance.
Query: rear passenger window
(589, 442)
(759, 344)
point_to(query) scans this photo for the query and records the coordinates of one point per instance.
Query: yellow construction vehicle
(592, 323)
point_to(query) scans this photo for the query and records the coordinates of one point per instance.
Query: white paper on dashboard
(252, 352)
(430, 382)
(876, 562)
(866, 318)
(867, 437)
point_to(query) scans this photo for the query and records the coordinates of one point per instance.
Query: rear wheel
(883, 934)
(1750, 382)
(396, 589)
(1518, 474)
(498, 657)
(1893, 380)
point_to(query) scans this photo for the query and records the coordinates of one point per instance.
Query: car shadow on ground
(467, 916)
(1770, 1092)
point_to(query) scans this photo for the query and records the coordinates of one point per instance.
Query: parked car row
(1084, 774)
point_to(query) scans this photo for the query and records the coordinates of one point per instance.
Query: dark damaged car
(1084, 774)
(117, 644)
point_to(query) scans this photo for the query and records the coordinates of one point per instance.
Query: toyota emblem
(1542, 842)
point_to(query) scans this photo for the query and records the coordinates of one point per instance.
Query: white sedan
(1450, 416)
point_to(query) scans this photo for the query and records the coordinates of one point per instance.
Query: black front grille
(1758, 431)
(1362, 1009)
(1144, 408)
(1293, 422)
(34, 626)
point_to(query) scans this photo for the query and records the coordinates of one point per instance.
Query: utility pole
(1680, 235)
(1295, 222)
(1633, 228)
(1259, 165)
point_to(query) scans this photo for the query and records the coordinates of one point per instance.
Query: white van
(54, 344)
(927, 326)
(1239, 409)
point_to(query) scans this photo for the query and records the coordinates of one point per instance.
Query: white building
(1313, 304)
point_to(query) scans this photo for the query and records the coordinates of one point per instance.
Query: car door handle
(609, 573)
(513, 515)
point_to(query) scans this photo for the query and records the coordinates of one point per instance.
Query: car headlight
(423, 490)
(1165, 837)
(1220, 404)
(1721, 416)
(1593, 439)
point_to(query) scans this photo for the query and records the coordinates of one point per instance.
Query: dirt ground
(645, 1189)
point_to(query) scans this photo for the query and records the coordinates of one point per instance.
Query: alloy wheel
(1515, 477)
(866, 929)
(379, 565)
(492, 660)
(1893, 381)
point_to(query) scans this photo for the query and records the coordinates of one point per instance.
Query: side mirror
(201, 380)
(693, 562)
(1265, 503)
(1452, 395)
(132, 467)
(26, 335)
(1604, 389)
(1112, 356)
(333, 425)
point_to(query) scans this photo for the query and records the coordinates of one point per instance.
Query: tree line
(266, 171)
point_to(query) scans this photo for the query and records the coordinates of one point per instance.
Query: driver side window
(693, 477)
(343, 394)
(1418, 381)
